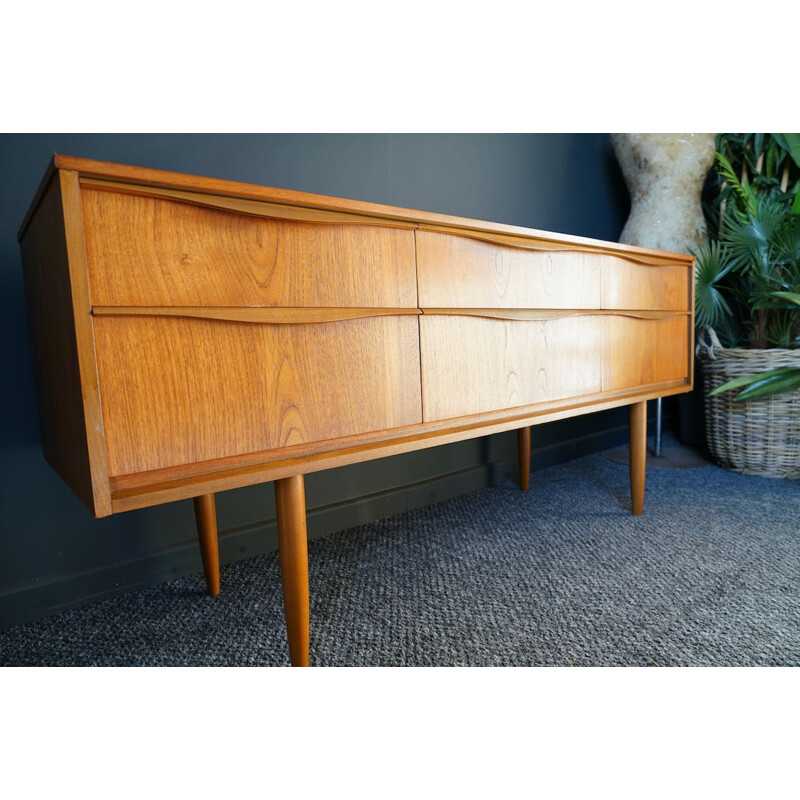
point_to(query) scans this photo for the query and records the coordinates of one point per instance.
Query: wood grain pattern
(57, 293)
(178, 391)
(175, 483)
(463, 272)
(144, 251)
(472, 365)
(275, 316)
(627, 285)
(457, 271)
(642, 352)
(290, 505)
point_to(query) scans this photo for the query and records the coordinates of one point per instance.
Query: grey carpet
(562, 575)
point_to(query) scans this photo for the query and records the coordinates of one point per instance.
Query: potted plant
(747, 304)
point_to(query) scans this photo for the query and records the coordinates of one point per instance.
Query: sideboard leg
(290, 503)
(205, 512)
(524, 453)
(638, 455)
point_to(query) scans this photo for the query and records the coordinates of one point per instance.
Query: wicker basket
(759, 437)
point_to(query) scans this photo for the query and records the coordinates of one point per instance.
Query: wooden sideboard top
(104, 170)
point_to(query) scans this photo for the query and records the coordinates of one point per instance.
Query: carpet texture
(560, 576)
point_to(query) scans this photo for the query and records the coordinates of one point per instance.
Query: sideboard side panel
(60, 322)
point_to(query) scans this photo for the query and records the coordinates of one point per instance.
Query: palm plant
(747, 279)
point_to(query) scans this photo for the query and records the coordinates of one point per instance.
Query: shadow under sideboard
(338, 499)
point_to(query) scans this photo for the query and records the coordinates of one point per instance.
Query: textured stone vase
(664, 173)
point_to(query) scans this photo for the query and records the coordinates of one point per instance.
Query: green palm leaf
(786, 240)
(730, 333)
(792, 297)
(746, 380)
(743, 192)
(762, 384)
(790, 142)
(711, 266)
(750, 239)
(775, 384)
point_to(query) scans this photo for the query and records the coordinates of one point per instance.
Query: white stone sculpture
(664, 173)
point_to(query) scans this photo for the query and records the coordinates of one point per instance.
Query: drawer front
(643, 287)
(151, 251)
(472, 365)
(463, 272)
(638, 352)
(178, 391)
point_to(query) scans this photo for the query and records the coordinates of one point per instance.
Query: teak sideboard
(193, 335)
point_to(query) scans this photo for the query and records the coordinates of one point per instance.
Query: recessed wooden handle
(275, 316)
(547, 246)
(545, 314)
(241, 205)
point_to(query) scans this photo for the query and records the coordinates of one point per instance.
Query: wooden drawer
(458, 271)
(158, 251)
(178, 391)
(474, 364)
(639, 352)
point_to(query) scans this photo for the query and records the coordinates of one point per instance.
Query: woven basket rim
(758, 437)
(713, 350)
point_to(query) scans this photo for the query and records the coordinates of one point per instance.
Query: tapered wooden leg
(638, 455)
(205, 512)
(290, 503)
(524, 453)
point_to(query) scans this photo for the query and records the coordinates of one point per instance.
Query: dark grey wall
(54, 555)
